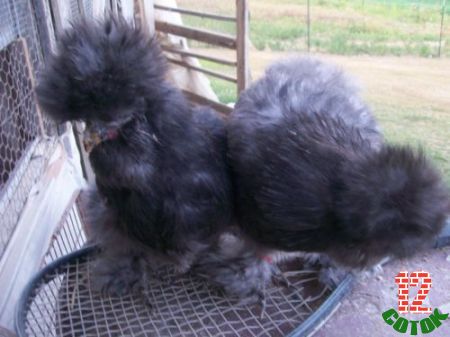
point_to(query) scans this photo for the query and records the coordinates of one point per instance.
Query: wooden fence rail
(202, 35)
(216, 74)
(239, 43)
(214, 59)
(195, 13)
(220, 107)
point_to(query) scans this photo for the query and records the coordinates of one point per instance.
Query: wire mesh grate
(69, 236)
(60, 300)
(64, 304)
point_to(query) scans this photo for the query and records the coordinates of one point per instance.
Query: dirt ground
(406, 81)
(360, 313)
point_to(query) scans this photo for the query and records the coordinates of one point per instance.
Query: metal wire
(60, 300)
(69, 235)
(64, 304)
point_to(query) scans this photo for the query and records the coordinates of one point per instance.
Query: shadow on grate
(59, 302)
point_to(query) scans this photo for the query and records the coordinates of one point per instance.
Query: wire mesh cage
(21, 126)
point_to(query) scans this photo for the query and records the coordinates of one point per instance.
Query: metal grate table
(59, 302)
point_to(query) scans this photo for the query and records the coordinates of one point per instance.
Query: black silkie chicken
(164, 192)
(313, 173)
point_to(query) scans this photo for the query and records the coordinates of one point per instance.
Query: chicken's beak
(90, 140)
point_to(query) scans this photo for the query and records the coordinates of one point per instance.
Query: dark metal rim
(29, 293)
(325, 309)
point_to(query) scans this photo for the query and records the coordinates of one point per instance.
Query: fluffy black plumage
(163, 184)
(233, 266)
(313, 173)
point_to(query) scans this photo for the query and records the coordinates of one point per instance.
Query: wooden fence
(239, 43)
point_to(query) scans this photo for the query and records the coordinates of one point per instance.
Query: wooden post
(144, 15)
(61, 14)
(444, 3)
(88, 172)
(242, 32)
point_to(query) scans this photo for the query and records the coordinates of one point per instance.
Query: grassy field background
(375, 27)
(389, 46)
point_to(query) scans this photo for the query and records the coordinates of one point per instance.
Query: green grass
(429, 131)
(374, 27)
(225, 91)
(380, 31)
(280, 34)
